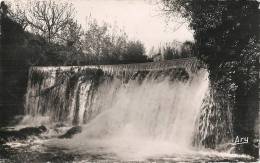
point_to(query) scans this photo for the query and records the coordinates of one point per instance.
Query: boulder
(71, 132)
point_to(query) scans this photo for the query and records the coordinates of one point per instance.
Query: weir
(168, 101)
(189, 64)
(43, 80)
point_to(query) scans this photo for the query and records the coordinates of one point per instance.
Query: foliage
(173, 51)
(102, 44)
(56, 38)
(134, 52)
(227, 40)
(226, 34)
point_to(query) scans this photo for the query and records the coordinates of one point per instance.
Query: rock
(28, 131)
(71, 132)
(21, 134)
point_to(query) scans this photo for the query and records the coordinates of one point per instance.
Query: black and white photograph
(165, 81)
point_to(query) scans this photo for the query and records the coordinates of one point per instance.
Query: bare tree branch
(48, 18)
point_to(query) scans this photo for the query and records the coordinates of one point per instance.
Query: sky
(141, 19)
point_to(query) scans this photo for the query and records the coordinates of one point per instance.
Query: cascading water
(132, 115)
(155, 112)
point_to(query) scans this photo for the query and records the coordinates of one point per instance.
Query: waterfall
(214, 126)
(170, 107)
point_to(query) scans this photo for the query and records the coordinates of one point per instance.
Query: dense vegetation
(52, 28)
(174, 50)
(227, 40)
(46, 33)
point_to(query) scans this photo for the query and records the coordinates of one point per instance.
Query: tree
(97, 41)
(175, 50)
(227, 40)
(49, 18)
(4, 8)
(169, 53)
(72, 34)
(135, 52)
(187, 49)
(223, 29)
(18, 15)
(65, 42)
(104, 45)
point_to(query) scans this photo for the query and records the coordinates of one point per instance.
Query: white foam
(151, 119)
